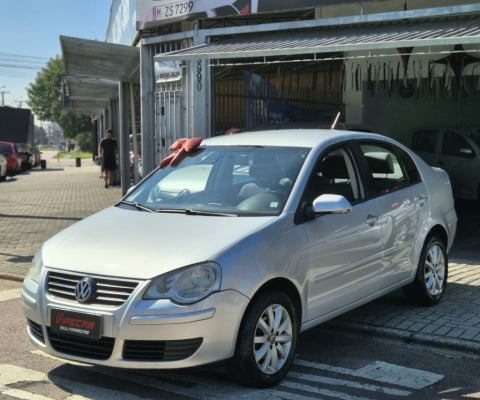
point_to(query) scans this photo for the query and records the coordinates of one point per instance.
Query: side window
(410, 168)
(475, 136)
(455, 144)
(335, 173)
(425, 140)
(386, 172)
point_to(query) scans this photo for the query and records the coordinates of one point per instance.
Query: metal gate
(247, 98)
(169, 99)
(168, 116)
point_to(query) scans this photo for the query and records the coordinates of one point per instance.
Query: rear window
(5, 148)
(425, 140)
(454, 144)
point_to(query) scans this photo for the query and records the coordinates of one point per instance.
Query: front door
(344, 249)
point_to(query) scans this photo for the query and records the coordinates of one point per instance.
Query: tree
(45, 98)
(72, 123)
(45, 93)
(85, 141)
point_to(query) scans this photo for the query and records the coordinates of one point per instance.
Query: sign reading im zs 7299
(158, 12)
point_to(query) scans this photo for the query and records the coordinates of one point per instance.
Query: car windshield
(222, 180)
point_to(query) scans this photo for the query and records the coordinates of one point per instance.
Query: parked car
(3, 167)
(14, 161)
(26, 155)
(457, 151)
(36, 156)
(237, 244)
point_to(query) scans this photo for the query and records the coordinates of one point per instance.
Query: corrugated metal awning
(352, 38)
(93, 70)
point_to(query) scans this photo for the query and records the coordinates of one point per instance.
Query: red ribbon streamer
(179, 148)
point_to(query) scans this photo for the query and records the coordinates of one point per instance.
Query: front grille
(96, 349)
(160, 350)
(36, 330)
(110, 292)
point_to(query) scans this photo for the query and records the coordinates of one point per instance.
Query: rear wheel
(432, 272)
(267, 340)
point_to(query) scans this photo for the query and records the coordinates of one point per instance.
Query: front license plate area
(75, 323)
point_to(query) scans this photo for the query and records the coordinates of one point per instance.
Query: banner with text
(157, 12)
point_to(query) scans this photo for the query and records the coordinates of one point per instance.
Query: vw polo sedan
(239, 243)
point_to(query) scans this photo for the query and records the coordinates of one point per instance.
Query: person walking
(107, 151)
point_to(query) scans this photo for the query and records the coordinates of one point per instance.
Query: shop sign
(157, 12)
(167, 71)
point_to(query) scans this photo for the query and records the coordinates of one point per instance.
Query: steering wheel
(181, 195)
(261, 202)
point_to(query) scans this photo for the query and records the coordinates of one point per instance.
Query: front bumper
(140, 334)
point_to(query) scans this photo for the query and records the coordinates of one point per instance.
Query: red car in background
(14, 161)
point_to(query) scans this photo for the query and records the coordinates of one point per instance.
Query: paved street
(37, 204)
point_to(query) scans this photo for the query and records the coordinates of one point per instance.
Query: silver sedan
(238, 243)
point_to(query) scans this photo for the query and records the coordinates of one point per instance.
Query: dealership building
(177, 68)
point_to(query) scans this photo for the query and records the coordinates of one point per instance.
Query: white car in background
(3, 167)
(236, 245)
(455, 150)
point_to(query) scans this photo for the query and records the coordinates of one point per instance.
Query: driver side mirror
(332, 204)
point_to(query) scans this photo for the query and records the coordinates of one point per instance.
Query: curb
(460, 345)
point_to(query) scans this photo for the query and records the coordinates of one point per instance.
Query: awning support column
(123, 101)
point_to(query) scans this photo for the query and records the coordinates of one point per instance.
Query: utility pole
(3, 93)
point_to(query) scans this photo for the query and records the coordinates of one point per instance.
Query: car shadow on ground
(18, 259)
(466, 247)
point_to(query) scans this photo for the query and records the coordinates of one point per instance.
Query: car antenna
(335, 120)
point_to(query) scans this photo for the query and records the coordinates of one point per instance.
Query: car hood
(142, 245)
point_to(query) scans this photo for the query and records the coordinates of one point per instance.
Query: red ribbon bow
(179, 148)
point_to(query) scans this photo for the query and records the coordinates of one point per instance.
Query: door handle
(372, 219)
(422, 200)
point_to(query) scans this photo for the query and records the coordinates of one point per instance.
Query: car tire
(432, 273)
(266, 342)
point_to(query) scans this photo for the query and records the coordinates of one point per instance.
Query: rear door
(394, 185)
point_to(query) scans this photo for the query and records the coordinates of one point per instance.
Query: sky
(30, 33)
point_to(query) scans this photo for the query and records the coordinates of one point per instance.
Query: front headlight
(35, 268)
(187, 285)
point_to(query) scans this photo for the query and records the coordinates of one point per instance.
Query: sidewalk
(41, 202)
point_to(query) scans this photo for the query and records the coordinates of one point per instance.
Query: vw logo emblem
(85, 290)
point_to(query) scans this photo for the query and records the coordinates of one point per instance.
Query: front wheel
(267, 340)
(432, 272)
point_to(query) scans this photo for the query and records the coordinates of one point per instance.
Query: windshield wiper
(137, 205)
(190, 211)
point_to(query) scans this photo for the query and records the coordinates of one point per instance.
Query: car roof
(290, 137)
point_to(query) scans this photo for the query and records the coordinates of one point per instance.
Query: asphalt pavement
(38, 203)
